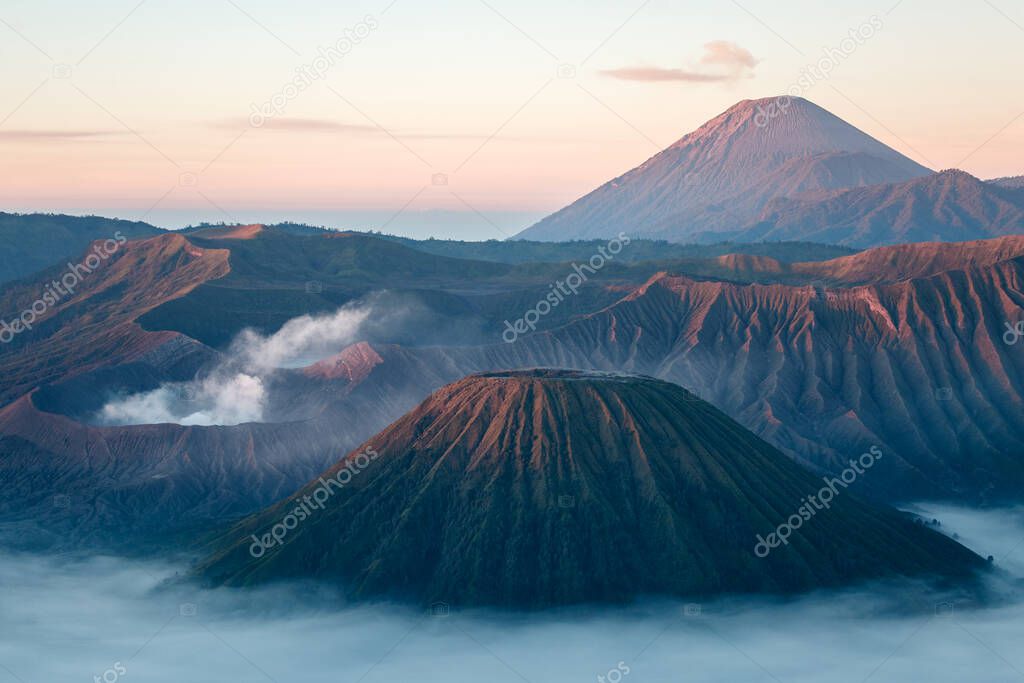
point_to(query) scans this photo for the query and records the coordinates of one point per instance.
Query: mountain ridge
(31, 242)
(951, 206)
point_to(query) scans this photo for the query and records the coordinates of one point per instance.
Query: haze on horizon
(461, 118)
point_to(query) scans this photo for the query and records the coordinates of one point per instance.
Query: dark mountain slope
(538, 488)
(1015, 182)
(951, 206)
(526, 251)
(31, 242)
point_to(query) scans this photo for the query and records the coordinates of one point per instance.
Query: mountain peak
(722, 175)
(955, 175)
(229, 232)
(1012, 182)
(783, 126)
(783, 101)
(354, 363)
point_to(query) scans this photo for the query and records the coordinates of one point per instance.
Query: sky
(458, 118)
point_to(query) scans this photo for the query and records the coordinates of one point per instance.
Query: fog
(75, 620)
(235, 391)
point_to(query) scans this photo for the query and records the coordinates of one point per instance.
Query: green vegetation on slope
(31, 242)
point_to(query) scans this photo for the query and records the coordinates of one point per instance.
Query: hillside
(95, 325)
(527, 251)
(1015, 182)
(538, 488)
(902, 347)
(31, 242)
(951, 206)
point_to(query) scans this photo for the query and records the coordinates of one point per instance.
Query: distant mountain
(212, 282)
(526, 251)
(31, 242)
(539, 488)
(719, 177)
(447, 292)
(894, 264)
(289, 228)
(225, 232)
(951, 206)
(1015, 182)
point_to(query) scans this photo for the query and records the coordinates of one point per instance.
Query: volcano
(537, 488)
(719, 177)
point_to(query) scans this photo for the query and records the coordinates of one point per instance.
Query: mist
(73, 620)
(235, 391)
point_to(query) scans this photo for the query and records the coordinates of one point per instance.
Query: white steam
(301, 340)
(235, 392)
(216, 400)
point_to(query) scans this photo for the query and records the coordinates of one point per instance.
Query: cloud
(298, 125)
(730, 55)
(53, 135)
(68, 619)
(653, 74)
(235, 391)
(314, 125)
(722, 62)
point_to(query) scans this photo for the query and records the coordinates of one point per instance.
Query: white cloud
(68, 621)
(722, 62)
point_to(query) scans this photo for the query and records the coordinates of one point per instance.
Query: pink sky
(126, 107)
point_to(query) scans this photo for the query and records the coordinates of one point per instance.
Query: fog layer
(106, 618)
